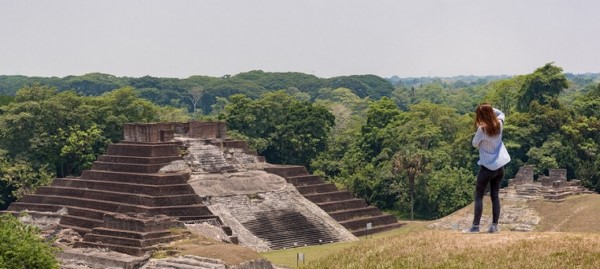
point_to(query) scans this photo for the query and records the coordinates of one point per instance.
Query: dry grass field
(445, 249)
(568, 236)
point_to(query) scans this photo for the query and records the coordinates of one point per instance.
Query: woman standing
(492, 159)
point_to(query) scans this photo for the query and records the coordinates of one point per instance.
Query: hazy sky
(326, 38)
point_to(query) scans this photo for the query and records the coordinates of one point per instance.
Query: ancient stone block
(140, 222)
(524, 176)
(148, 132)
(207, 130)
(558, 174)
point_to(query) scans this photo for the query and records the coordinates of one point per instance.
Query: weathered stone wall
(207, 130)
(555, 177)
(148, 132)
(524, 176)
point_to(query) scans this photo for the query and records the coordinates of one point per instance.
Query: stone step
(74, 221)
(211, 219)
(557, 196)
(300, 242)
(83, 202)
(127, 167)
(99, 214)
(227, 230)
(87, 212)
(275, 230)
(348, 214)
(137, 160)
(179, 264)
(332, 196)
(173, 189)
(98, 259)
(317, 188)
(287, 170)
(305, 233)
(178, 210)
(304, 180)
(134, 251)
(131, 234)
(130, 242)
(143, 150)
(194, 261)
(33, 214)
(82, 231)
(342, 205)
(136, 178)
(359, 223)
(128, 198)
(377, 229)
(22, 206)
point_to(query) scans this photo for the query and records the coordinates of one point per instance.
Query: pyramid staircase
(352, 213)
(283, 229)
(124, 180)
(279, 228)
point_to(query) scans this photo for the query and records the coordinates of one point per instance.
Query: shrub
(21, 246)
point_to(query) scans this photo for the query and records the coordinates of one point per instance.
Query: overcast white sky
(326, 38)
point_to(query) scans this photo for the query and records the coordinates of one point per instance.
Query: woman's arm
(478, 137)
(499, 114)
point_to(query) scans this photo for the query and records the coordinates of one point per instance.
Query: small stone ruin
(133, 234)
(555, 187)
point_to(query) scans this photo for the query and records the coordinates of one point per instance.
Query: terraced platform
(111, 187)
(352, 213)
(124, 181)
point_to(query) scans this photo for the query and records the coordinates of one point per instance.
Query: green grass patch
(288, 257)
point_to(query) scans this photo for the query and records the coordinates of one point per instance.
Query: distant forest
(403, 144)
(184, 93)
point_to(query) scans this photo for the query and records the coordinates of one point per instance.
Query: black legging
(493, 178)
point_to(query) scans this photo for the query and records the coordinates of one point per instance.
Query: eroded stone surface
(237, 183)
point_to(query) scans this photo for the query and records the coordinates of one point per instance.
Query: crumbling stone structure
(555, 177)
(553, 187)
(523, 176)
(133, 234)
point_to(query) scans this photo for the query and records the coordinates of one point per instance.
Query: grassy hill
(567, 236)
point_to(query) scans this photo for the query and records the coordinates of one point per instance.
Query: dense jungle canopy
(396, 142)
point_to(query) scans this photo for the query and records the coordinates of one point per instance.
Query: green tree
(79, 148)
(284, 129)
(21, 246)
(411, 163)
(18, 177)
(504, 93)
(542, 85)
(5, 99)
(449, 189)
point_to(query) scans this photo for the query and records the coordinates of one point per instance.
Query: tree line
(203, 93)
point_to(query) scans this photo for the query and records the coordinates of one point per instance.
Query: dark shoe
(493, 228)
(473, 230)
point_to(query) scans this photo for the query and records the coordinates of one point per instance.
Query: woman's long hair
(486, 118)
